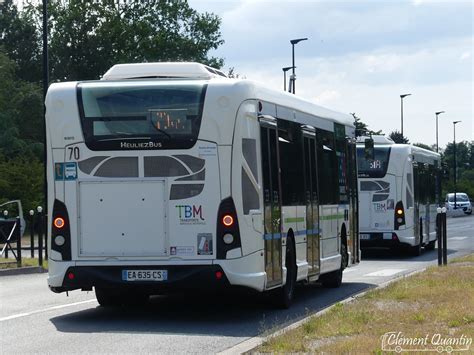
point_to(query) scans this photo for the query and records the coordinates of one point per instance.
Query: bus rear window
(375, 168)
(141, 114)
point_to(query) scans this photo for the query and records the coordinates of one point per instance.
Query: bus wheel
(334, 279)
(108, 297)
(431, 245)
(285, 294)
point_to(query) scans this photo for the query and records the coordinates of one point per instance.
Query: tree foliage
(362, 129)
(398, 137)
(87, 37)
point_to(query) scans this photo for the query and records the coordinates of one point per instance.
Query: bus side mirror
(369, 149)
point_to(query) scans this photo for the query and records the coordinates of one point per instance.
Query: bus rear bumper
(179, 277)
(387, 240)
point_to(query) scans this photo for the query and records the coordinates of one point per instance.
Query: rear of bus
(137, 199)
(382, 220)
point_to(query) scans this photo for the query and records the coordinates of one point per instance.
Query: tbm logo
(188, 211)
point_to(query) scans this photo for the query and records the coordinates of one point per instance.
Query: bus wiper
(122, 138)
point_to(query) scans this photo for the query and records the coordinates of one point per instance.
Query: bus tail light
(399, 215)
(228, 233)
(61, 231)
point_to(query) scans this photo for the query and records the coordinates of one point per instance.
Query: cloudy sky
(360, 56)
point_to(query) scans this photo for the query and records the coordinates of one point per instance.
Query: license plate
(144, 275)
(364, 236)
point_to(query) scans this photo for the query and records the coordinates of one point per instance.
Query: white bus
(172, 176)
(399, 191)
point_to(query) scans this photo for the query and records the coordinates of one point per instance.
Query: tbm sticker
(190, 214)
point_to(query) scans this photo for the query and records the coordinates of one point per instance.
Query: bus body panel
(120, 216)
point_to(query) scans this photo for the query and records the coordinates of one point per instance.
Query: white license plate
(364, 236)
(144, 275)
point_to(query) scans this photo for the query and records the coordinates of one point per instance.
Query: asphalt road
(34, 320)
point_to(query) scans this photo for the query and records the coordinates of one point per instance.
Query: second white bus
(399, 191)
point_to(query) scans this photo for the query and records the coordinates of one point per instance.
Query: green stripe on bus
(294, 219)
(333, 216)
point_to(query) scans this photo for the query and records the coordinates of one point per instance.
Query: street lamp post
(285, 69)
(293, 77)
(45, 89)
(401, 109)
(454, 153)
(437, 113)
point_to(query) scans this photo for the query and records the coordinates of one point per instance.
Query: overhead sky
(360, 56)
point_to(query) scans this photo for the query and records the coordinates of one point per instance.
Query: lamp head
(439, 113)
(294, 41)
(285, 69)
(404, 95)
(454, 122)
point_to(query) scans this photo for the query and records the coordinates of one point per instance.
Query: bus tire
(285, 294)
(334, 278)
(431, 245)
(108, 297)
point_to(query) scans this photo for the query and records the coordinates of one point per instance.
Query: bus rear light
(228, 232)
(71, 276)
(394, 237)
(219, 275)
(228, 238)
(59, 222)
(228, 220)
(61, 231)
(399, 215)
(59, 240)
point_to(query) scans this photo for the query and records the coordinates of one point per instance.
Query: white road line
(457, 238)
(349, 270)
(20, 315)
(385, 272)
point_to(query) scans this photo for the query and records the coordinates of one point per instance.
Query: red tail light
(399, 215)
(59, 222)
(228, 220)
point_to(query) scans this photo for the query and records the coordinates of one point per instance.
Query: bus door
(353, 205)
(272, 201)
(312, 204)
(416, 212)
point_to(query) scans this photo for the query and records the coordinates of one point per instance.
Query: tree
(398, 137)
(20, 39)
(88, 37)
(362, 128)
(21, 114)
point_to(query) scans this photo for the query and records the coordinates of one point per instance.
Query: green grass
(439, 300)
(25, 262)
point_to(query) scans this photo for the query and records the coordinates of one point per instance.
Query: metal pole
(439, 230)
(40, 239)
(284, 80)
(293, 67)
(45, 89)
(45, 219)
(18, 242)
(32, 234)
(401, 114)
(445, 241)
(436, 133)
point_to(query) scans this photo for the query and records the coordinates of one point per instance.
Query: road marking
(385, 272)
(349, 270)
(457, 238)
(20, 315)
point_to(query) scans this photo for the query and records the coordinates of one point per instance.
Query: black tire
(334, 279)
(431, 245)
(284, 295)
(416, 250)
(110, 297)
(470, 212)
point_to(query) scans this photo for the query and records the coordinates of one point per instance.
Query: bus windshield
(141, 114)
(375, 168)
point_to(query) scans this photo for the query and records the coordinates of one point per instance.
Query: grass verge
(437, 301)
(11, 263)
